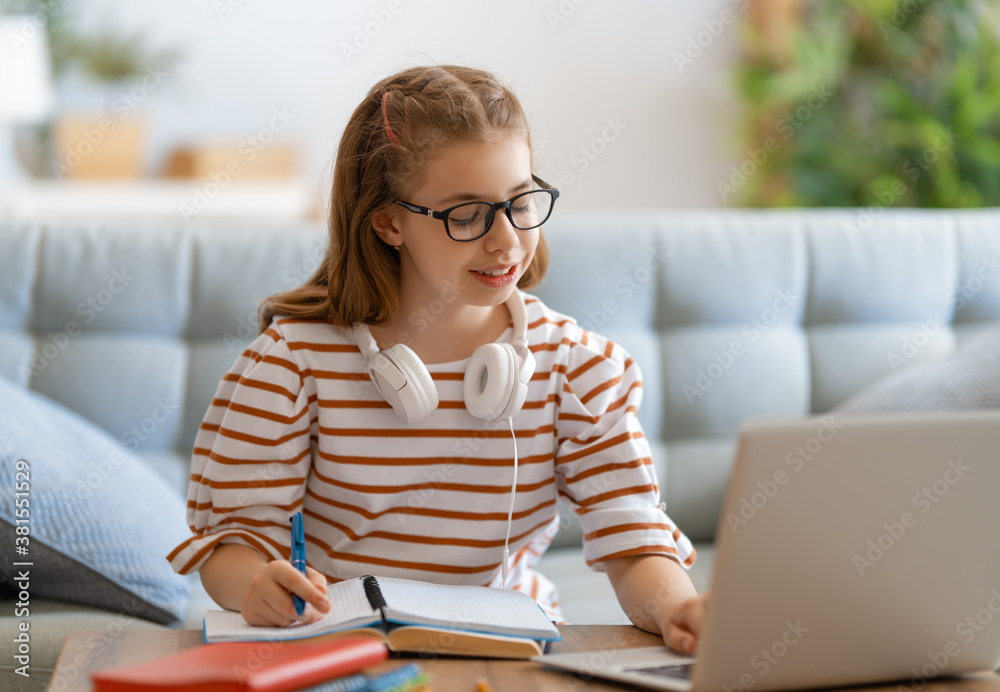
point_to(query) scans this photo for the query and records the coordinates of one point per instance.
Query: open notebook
(413, 616)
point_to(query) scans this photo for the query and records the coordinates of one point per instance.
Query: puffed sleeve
(251, 457)
(604, 469)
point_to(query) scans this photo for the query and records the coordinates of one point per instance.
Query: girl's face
(436, 268)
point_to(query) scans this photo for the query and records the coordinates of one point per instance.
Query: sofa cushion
(98, 521)
(967, 380)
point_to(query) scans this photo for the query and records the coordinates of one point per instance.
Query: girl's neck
(443, 335)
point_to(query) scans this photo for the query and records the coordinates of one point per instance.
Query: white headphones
(496, 378)
(494, 388)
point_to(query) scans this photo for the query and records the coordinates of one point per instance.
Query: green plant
(114, 59)
(105, 56)
(910, 114)
(110, 59)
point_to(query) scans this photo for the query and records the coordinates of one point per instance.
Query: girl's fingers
(319, 581)
(685, 625)
(275, 616)
(314, 575)
(319, 601)
(276, 595)
(680, 640)
(296, 584)
(691, 614)
(311, 614)
(269, 610)
(273, 602)
(322, 601)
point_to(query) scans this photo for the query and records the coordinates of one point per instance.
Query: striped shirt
(296, 424)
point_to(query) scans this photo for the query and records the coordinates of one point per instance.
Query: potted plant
(106, 144)
(873, 103)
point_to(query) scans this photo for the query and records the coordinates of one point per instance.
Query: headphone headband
(515, 305)
(519, 314)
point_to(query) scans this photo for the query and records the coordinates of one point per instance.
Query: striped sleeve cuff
(190, 555)
(624, 532)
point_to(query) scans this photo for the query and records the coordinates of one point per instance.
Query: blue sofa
(730, 314)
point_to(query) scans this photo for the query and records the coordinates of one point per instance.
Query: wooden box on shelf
(92, 146)
(242, 160)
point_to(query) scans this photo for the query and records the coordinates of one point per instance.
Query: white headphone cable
(510, 511)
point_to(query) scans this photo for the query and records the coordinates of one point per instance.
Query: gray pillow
(99, 520)
(967, 380)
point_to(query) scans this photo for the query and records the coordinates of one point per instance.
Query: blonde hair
(381, 156)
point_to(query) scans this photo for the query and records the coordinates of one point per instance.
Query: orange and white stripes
(296, 425)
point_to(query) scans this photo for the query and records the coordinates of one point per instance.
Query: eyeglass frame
(494, 206)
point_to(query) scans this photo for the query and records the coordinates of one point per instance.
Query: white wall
(575, 68)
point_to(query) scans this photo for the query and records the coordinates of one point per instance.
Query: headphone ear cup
(491, 387)
(403, 381)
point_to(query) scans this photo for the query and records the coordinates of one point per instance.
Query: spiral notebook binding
(374, 594)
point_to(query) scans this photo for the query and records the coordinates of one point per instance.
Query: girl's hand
(682, 628)
(269, 599)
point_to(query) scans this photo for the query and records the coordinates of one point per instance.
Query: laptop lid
(856, 550)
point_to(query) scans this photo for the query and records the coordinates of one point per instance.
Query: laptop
(850, 550)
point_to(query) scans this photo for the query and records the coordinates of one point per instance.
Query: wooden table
(87, 651)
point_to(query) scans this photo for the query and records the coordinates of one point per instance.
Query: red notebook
(245, 667)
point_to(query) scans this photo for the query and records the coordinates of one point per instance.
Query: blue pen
(298, 554)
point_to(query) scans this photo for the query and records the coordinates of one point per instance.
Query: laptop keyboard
(677, 671)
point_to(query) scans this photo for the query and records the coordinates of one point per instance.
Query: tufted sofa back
(730, 315)
(767, 314)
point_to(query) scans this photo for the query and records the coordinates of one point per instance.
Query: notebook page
(462, 605)
(349, 608)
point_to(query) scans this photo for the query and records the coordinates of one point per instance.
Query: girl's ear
(384, 226)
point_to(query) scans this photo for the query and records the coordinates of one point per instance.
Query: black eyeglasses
(471, 220)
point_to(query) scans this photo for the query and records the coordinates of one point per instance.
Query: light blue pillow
(99, 519)
(968, 380)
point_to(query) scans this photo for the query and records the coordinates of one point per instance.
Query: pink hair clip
(385, 118)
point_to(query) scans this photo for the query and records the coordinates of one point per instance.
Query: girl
(417, 407)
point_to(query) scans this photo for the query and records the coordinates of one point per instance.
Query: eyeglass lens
(528, 210)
